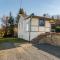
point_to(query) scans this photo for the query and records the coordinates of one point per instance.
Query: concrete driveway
(25, 52)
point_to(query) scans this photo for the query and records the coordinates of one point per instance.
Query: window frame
(43, 20)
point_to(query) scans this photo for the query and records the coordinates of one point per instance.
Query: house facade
(30, 27)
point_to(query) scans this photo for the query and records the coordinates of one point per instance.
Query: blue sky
(38, 7)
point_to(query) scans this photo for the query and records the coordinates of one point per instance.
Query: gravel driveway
(24, 52)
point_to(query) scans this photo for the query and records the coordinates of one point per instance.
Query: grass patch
(7, 43)
(14, 40)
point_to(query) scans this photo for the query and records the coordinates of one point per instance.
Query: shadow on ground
(54, 50)
(8, 45)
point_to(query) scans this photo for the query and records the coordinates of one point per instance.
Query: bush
(57, 29)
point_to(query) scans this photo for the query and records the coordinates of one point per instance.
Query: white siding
(47, 29)
(20, 27)
(47, 26)
(35, 29)
(23, 28)
(42, 29)
(34, 21)
(35, 34)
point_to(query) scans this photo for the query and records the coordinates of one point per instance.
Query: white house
(30, 27)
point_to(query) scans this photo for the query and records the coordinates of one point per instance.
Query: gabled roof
(40, 17)
(51, 20)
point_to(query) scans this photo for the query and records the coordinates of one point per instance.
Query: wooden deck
(25, 52)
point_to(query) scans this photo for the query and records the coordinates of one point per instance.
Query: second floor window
(42, 22)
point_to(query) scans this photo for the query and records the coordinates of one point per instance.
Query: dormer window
(41, 22)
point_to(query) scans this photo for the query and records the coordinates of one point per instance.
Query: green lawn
(15, 40)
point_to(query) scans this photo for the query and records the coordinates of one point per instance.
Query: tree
(46, 15)
(11, 25)
(5, 24)
(21, 11)
(8, 23)
(52, 17)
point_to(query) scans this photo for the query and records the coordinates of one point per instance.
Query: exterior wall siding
(34, 34)
(20, 27)
(34, 22)
(37, 30)
(47, 26)
(23, 30)
(35, 26)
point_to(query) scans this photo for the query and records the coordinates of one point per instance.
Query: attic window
(42, 22)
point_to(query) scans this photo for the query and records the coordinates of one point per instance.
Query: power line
(20, 3)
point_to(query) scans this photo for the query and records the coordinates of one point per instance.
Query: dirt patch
(25, 52)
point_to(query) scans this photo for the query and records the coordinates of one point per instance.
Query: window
(41, 22)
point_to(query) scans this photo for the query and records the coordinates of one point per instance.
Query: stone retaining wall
(50, 38)
(53, 39)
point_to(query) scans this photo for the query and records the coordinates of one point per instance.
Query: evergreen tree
(11, 24)
(21, 11)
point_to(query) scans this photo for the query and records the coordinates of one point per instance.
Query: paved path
(25, 52)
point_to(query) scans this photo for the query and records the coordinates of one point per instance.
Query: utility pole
(20, 3)
(30, 26)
